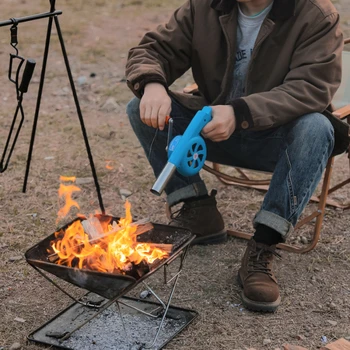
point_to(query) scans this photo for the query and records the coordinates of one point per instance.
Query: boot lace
(259, 260)
(183, 214)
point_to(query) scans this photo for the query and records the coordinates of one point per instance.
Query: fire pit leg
(100, 308)
(164, 315)
(154, 294)
(165, 305)
(88, 304)
(123, 323)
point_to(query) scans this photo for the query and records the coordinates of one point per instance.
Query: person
(269, 70)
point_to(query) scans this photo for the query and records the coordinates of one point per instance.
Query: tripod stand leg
(77, 105)
(37, 109)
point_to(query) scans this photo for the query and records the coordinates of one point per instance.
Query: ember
(104, 246)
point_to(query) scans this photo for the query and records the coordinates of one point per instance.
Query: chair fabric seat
(342, 96)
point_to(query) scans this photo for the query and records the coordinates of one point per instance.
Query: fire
(66, 192)
(109, 165)
(108, 248)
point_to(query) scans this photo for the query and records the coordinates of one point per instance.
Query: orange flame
(108, 164)
(67, 178)
(66, 191)
(117, 249)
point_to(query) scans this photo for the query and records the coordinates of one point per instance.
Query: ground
(315, 287)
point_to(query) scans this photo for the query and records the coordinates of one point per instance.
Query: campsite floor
(315, 287)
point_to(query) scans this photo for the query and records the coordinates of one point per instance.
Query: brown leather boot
(203, 219)
(260, 288)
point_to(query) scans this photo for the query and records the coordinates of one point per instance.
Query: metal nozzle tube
(163, 179)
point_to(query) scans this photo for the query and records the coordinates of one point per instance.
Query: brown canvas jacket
(295, 67)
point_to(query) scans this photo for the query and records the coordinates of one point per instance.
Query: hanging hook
(13, 29)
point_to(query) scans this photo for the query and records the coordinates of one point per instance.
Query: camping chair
(341, 103)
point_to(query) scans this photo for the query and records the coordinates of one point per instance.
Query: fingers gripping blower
(186, 153)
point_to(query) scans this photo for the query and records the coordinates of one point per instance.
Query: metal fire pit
(113, 288)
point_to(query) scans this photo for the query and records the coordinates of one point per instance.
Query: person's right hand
(155, 105)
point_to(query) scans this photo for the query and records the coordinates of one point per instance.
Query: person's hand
(155, 105)
(223, 124)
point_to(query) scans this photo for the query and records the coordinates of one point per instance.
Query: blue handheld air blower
(186, 153)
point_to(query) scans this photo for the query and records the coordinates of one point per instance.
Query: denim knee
(315, 129)
(133, 109)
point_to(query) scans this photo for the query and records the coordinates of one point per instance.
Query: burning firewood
(94, 230)
(166, 247)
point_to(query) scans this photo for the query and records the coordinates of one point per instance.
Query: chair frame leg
(319, 215)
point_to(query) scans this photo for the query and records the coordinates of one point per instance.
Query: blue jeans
(296, 153)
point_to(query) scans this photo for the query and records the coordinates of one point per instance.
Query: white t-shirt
(247, 32)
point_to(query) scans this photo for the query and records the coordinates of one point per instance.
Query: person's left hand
(223, 124)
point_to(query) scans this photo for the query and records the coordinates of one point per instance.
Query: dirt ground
(315, 287)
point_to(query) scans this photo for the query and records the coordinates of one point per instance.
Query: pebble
(144, 294)
(61, 92)
(304, 240)
(19, 319)
(82, 80)
(125, 193)
(84, 180)
(15, 346)
(15, 258)
(332, 323)
(110, 105)
(266, 341)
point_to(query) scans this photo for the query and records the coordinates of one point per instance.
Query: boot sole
(215, 238)
(258, 305)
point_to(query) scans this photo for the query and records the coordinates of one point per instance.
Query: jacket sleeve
(164, 54)
(309, 86)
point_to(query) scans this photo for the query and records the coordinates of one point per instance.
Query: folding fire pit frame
(115, 285)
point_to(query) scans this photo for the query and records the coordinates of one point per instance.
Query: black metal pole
(37, 109)
(87, 146)
(30, 18)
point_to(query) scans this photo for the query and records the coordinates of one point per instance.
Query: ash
(106, 332)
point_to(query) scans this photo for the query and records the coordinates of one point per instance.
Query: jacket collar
(282, 9)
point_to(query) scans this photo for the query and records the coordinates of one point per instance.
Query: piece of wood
(191, 89)
(166, 247)
(292, 347)
(93, 228)
(340, 344)
(142, 227)
(342, 112)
